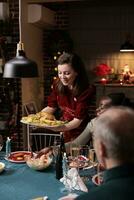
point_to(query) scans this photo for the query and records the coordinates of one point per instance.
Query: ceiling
(54, 1)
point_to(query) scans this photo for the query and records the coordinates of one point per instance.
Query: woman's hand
(46, 150)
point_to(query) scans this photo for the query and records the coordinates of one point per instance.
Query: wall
(32, 36)
(32, 88)
(99, 31)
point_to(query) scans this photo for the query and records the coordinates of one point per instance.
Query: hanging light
(20, 66)
(127, 47)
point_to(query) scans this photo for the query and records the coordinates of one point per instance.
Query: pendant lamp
(20, 66)
(127, 46)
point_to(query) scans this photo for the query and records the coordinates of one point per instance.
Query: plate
(74, 164)
(18, 156)
(78, 162)
(96, 177)
(43, 125)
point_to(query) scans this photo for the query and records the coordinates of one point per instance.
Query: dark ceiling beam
(54, 1)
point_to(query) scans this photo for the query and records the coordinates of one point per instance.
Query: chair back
(42, 140)
(38, 137)
(30, 108)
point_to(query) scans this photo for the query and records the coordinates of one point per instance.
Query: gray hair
(115, 128)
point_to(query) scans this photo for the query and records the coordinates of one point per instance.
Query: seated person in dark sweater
(114, 146)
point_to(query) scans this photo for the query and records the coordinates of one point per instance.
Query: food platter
(42, 119)
(18, 156)
(43, 125)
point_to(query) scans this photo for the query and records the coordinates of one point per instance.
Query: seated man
(114, 146)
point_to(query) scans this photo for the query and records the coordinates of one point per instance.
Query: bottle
(62, 143)
(59, 158)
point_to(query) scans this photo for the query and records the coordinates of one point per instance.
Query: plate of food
(42, 119)
(18, 156)
(40, 163)
(78, 162)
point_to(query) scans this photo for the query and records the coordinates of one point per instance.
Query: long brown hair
(81, 82)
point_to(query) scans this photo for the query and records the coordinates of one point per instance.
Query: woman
(72, 94)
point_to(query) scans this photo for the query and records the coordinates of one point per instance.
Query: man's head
(114, 136)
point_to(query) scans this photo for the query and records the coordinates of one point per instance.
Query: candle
(121, 82)
(103, 80)
(8, 147)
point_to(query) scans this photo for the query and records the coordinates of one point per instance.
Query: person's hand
(46, 150)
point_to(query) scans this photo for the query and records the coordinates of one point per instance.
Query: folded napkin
(73, 180)
(41, 198)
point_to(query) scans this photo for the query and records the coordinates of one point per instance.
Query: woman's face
(66, 74)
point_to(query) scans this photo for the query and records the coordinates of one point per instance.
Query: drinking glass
(73, 158)
(92, 156)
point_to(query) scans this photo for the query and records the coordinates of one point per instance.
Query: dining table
(20, 182)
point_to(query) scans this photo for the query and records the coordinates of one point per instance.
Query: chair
(38, 138)
(30, 108)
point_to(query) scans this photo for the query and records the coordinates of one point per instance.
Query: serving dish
(2, 166)
(18, 156)
(44, 125)
(39, 163)
(42, 119)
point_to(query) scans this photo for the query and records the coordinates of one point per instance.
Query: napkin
(41, 198)
(73, 180)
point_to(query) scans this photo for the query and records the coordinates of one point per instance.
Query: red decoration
(102, 70)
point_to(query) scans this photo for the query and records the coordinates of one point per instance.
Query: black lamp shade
(20, 67)
(127, 47)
